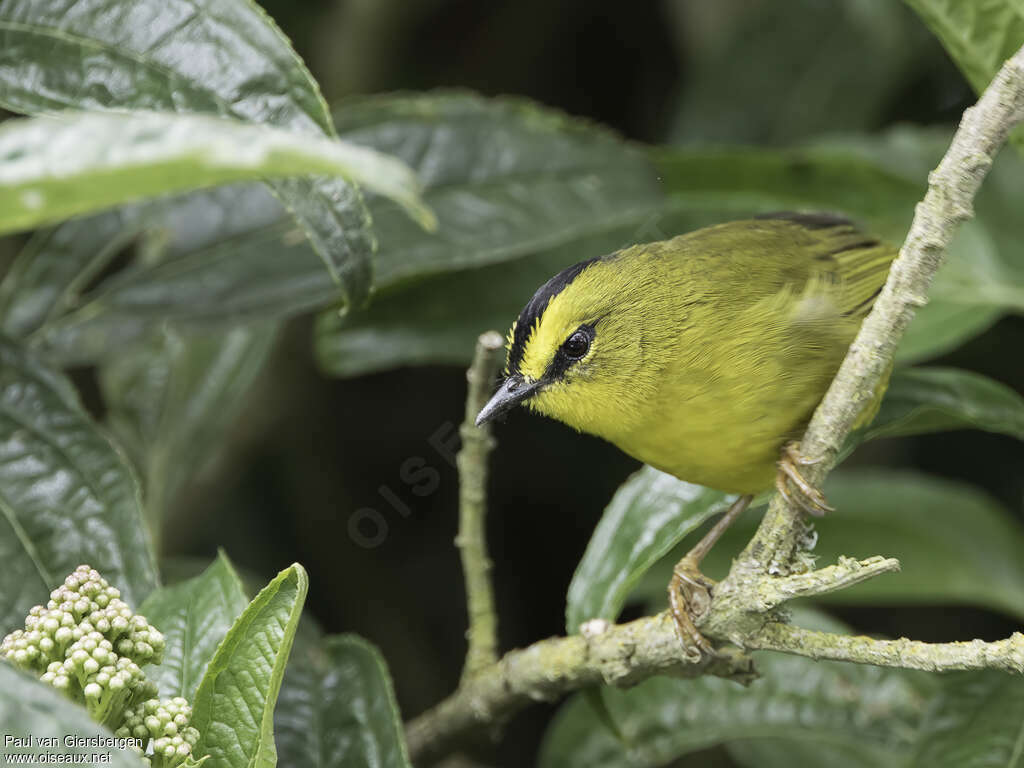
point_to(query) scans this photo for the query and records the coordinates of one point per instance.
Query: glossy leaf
(631, 537)
(924, 400)
(230, 59)
(870, 714)
(49, 273)
(337, 709)
(978, 36)
(505, 177)
(31, 710)
(67, 494)
(940, 327)
(55, 168)
(976, 722)
(234, 705)
(194, 616)
(955, 544)
(172, 401)
(649, 514)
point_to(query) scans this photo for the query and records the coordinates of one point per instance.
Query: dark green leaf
(924, 400)
(229, 59)
(977, 721)
(67, 495)
(337, 709)
(505, 177)
(864, 713)
(56, 265)
(234, 705)
(172, 401)
(31, 710)
(55, 168)
(194, 616)
(649, 514)
(978, 36)
(941, 326)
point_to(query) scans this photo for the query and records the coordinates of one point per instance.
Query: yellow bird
(703, 356)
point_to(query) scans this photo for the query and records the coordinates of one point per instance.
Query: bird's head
(578, 351)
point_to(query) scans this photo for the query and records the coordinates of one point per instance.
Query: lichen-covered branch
(477, 442)
(604, 653)
(1007, 655)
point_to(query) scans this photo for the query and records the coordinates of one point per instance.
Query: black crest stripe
(535, 308)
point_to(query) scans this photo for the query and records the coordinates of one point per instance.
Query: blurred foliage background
(324, 437)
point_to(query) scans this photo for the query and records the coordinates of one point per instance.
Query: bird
(703, 355)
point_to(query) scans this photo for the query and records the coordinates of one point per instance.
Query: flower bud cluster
(165, 724)
(87, 643)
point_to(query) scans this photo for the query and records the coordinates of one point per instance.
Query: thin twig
(477, 443)
(1006, 655)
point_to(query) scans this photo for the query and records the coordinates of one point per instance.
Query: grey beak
(512, 392)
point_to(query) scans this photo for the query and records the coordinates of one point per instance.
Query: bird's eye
(576, 346)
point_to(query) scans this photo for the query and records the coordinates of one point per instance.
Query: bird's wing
(836, 252)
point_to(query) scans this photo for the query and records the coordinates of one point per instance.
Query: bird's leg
(689, 590)
(808, 498)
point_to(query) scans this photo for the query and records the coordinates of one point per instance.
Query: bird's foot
(689, 590)
(689, 597)
(806, 496)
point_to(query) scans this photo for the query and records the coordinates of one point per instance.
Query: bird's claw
(689, 597)
(808, 498)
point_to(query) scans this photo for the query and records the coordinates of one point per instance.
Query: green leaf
(976, 722)
(870, 714)
(56, 167)
(505, 177)
(924, 400)
(33, 711)
(194, 616)
(56, 264)
(941, 326)
(337, 709)
(978, 36)
(230, 59)
(67, 495)
(234, 705)
(171, 402)
(649, 514)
